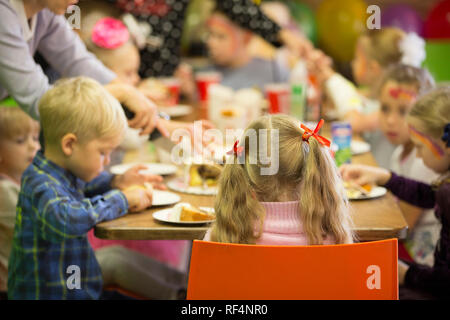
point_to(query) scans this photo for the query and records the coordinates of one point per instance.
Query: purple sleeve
(412, 191)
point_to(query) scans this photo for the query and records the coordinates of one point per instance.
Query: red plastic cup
(173, 84)
(204, 80)
(279, 97)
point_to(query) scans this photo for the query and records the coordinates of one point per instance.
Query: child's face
(225, 40)
(87, 159)
(396, 102)
(125, 64)
(17, 153)
(433, 152)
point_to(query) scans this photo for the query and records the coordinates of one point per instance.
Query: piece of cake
(187, 212)
(209, 173)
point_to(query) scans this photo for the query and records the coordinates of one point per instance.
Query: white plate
(359, 147)
(152, 168)
(178, 184)
(164, 198)
(177, 111)
(164, 216)
(376, 192)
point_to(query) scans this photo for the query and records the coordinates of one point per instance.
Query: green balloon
(436, 61)
(305, 18)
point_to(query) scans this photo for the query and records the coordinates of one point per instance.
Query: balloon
(436, 61)
(340, 22)
(437, 24)
(305, 18)
(404, 17)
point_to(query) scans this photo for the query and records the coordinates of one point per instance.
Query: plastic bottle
(299, 82)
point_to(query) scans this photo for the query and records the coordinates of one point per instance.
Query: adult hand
(136, 176)
(145, 111)
(298, 44)
(362, 174)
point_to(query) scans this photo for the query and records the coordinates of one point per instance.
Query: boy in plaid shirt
(64, 193)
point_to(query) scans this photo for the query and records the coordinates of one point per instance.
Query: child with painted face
(227, 44)
(429, 127)
(293, 197)
(399, 90)
(19, 142)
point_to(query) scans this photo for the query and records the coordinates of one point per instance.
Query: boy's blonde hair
(306, 171)
(80, 106)
(433, 111)
(383, 45)
(406, 74)
(15, 122)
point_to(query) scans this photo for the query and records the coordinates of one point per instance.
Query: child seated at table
(293, 197)
(375, 51)
(400, 87)
(227, 45)
(64, 193)
(19, 142)
(429, 125)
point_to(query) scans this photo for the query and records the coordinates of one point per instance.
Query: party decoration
(404, 17)
(437, 59)
(305, 18)
(437, 23)
(340, 22)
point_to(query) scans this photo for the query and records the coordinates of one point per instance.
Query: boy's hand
(139, 197)
(133, 176)
(362, 174)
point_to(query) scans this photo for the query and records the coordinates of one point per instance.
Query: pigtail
(323, 206)
(237, 209)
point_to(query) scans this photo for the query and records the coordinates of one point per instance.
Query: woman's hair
(15, 122)
(433, 111)
(409, 75)
(383, 45)
(80, 106)
(306, 172)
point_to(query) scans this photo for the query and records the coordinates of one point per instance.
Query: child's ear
(67, 143)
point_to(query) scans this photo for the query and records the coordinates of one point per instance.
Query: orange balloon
(340, 23)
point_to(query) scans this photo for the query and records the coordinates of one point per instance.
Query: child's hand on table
(139, 197)
(362, 174)
(133, 177)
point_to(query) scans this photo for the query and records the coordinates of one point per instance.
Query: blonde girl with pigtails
(302, 203)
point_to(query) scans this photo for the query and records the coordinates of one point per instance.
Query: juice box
(341, 133)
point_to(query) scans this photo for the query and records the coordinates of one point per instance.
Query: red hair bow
(309, 133)
(237, 151)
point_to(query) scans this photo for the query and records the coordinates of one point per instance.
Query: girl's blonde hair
(306, 171)
(383, 45)
(433, 111)
(80, 106)
(15, 122)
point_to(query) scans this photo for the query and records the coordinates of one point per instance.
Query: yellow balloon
(339, 24)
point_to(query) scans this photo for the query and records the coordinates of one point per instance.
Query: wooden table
(374, 219)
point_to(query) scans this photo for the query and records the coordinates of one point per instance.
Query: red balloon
(437, 24)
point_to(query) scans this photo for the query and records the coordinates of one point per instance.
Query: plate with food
(359, 147)
(160, 198)
(365, 192)
(162, 169)
(200, 179)
(184, 213)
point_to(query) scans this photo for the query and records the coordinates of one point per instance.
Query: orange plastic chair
(360, 271)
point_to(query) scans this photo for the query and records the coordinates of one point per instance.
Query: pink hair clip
(109, 33)
(237, 151)
(309, 133)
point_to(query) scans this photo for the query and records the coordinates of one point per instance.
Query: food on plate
(144, 186)
(187, 212)
(354, 190)
(204, 173)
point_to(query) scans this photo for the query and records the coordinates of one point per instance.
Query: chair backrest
(220, 271)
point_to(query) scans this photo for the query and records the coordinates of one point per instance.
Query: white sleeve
(344, 95)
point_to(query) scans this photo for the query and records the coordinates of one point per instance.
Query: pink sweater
(282, 225)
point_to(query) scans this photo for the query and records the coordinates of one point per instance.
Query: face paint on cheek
(427, 141)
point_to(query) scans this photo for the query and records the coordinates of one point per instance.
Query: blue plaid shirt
(51, 257)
